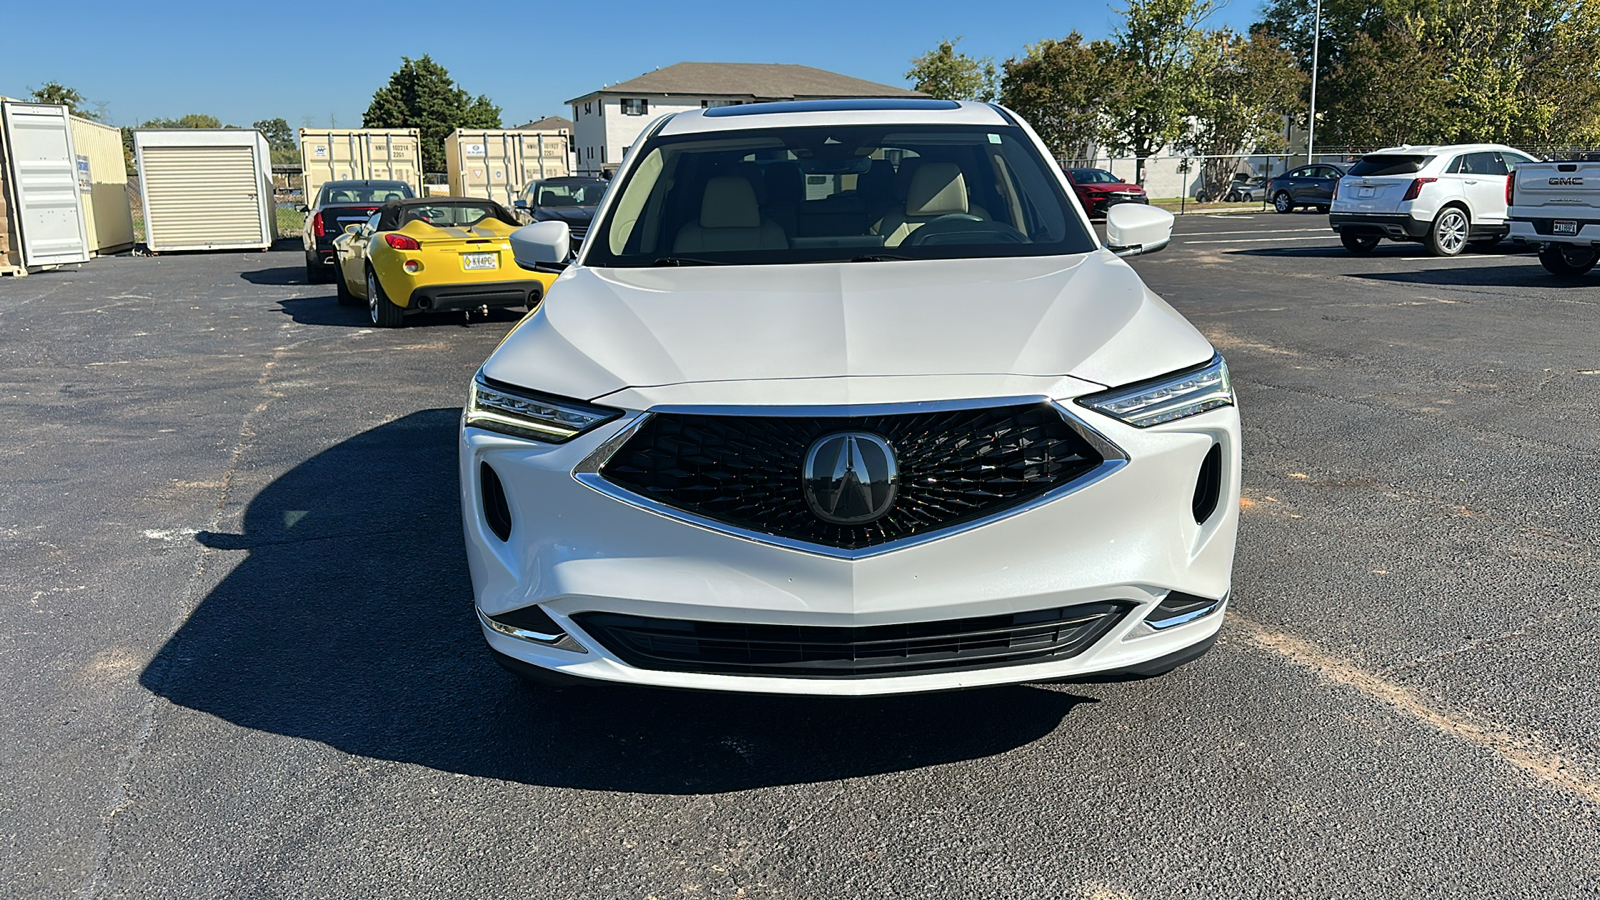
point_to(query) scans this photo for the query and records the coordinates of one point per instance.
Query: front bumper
(1395, 226)
(1129, 538)
(1100, 203)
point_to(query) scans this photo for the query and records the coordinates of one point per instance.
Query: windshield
(1093, 176)
(380, 192)
(545, 194)
(837, 193)
(449, 214)
(1389, 164)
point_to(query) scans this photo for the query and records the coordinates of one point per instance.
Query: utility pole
(1316, 46)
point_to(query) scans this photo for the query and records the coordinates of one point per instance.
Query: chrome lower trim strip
(1187, 617)
(561, 641)
(588, 474)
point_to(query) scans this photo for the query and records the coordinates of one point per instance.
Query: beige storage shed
(205, 189)
(103, 182)
(497, 164)
(341, 154)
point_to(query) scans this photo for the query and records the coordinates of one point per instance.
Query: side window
(1512, 160)
(1300, 173)
(1487, 164)
(372, 224)
(1458, 166)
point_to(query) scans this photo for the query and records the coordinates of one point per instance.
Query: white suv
(1444, 196)
(845, 397)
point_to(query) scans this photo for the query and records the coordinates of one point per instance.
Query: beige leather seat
(937, 189)
(730, 219)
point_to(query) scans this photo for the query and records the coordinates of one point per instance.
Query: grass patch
(290, 221)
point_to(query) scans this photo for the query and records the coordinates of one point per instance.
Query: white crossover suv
(1443, 196)
(845, 397)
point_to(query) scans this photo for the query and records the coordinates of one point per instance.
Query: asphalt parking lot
(238, 659)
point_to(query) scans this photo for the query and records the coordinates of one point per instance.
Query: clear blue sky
(243, 62)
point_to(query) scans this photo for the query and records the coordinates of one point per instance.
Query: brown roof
(548, 123)
(761, 81)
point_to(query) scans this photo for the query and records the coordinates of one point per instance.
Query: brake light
(1415, 190)
(316, 225)
(401, 242)
(1511, 187)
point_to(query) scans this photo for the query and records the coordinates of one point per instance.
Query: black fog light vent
(496, 510)
(1208, 487)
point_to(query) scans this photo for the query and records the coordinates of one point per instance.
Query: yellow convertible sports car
(434, 254)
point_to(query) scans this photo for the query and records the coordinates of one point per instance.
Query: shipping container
(344, 154)
(103, 183)
(206, 189)
(498, 163)
(41, 210)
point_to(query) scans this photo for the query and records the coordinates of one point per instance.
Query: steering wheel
(953, 227)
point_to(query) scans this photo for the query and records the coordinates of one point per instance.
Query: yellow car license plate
(480, 261)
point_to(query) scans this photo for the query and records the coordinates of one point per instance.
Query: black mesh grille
(863, 652)
(954, 466)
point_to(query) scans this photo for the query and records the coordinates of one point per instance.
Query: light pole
(1316, 46)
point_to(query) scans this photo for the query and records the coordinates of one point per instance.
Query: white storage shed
(41, 209)
(206, 189)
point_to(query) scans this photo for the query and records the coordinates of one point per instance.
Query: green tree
(1061, 87)
(948, 75)
(1426, 71)
(280, 139)
(56, 92)
(422, 95)
(1156, 76)
(1246, 86)
(192, 120)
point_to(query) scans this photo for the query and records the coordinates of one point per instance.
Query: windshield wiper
(685, 261)
(880, 257)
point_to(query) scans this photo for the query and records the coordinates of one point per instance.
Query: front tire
(342, 290)
(1283, 203)
(383, 312)
(1448, 234)
(1567, 261)
(1359, 244)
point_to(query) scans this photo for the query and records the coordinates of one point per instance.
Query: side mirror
(1133, 229)
(542, 246)
(352, 229)
(520, 203)
(303, 208)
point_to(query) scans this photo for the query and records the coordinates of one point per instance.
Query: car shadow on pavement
(1524, 274)
(349, 622)
(279, 275)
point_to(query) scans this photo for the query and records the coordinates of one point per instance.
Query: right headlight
(1175, 396)
(527, 414)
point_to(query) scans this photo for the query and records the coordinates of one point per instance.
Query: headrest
(729, 202)
(937, 189)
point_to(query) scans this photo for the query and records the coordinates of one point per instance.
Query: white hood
(1088, 317)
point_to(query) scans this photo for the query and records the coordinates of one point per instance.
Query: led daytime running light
(1176, 396)
(529, 416)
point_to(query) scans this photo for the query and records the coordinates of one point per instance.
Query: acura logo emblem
(850, 477)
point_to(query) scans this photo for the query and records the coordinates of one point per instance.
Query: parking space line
(1261, 240)
(1261, 231)
(1525, 751)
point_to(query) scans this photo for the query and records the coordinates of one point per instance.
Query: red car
(1099, 190)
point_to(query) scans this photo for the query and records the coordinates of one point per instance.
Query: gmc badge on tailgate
(1566, 182)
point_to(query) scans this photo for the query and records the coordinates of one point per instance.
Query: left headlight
(1175, 396)
(528, 414)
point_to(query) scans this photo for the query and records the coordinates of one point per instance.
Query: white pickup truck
(1556, 205)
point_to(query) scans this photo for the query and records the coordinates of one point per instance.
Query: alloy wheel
(372, 297)
(1452, 231)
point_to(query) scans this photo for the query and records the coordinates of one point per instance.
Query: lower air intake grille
(954, 466)
(808, 651)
